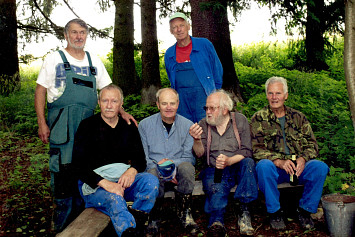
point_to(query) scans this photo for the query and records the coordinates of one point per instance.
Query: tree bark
(349, 54)
(124, 71)
(150, 54)
(212, 23)
(9, 68)
(315, 27)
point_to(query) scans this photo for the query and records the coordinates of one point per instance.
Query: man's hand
(127, 178)
(286, 165)
(127, 117)
(43, 133)
(196, 131)
(222, 161)
(301, 163)
(112, 187)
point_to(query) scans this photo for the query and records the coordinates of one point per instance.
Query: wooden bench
(92, 222)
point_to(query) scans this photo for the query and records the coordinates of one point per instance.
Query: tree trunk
(212, 23)
(9, 68)
(150, 53)
(349, 54)
(124, 71)
(314, 35)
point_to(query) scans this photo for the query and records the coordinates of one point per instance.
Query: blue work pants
(142, 192)
(312, 177)
(243, 174)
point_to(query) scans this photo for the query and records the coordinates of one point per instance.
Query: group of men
(104, 160)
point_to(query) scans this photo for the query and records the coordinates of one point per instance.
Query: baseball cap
(167, 170)
(176, 15)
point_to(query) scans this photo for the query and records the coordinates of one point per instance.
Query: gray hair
(112, 87)
(225, 99)
(157, 95)
(77, 21)
(273, 80)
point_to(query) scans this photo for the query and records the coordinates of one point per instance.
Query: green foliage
(339, 181)
(138, 110)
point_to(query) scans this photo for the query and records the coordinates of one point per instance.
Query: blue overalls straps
(77, 102)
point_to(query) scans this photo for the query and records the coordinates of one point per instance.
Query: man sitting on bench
(108, 156)
(278, 132)
(168, 151)
(224, 139)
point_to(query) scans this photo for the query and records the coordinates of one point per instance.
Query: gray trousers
(185, 175)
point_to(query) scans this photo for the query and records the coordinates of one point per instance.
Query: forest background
(319, 89)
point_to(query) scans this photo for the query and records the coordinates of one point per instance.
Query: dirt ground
(26, 210)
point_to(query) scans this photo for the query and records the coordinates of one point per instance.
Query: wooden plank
(90, 222)
(198, 189)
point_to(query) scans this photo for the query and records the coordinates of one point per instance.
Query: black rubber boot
(184, 202)
(154, 218)
(141, 218)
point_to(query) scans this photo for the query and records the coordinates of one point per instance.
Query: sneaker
(217, 230)
(304, 218)
(277, 221)
(244, 221)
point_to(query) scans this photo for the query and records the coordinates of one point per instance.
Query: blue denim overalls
(192, 95)
(77, 102)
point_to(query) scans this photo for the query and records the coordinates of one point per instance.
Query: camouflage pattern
(267, 138)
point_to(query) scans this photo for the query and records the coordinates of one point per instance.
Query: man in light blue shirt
(166, 139)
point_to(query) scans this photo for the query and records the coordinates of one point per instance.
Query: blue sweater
(158, 144)
(204, 60)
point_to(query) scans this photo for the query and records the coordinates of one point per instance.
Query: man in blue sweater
(193, 68)
(167, 142)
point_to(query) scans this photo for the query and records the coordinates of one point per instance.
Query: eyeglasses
(211, 108)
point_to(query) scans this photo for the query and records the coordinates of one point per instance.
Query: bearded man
(223, 138)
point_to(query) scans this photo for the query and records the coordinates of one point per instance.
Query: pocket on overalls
(59, 128)
(54, 159)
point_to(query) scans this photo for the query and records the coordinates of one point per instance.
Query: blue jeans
(312, 177)
(142, 192)
(243, 174)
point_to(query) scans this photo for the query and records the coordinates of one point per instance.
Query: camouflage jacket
(267, 138)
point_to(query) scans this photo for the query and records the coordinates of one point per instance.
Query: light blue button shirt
(159, 144)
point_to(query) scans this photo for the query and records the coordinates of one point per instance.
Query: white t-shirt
(52, 74)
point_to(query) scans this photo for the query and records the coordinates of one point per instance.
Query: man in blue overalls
(71, 90)
(193, 68)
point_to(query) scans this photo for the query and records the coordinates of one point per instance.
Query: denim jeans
(312, 177)
(243, 174)
(142, 192)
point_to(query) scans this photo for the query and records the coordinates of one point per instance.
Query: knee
(186, 169)
(319, 167)
(249, 162)
(264, 165)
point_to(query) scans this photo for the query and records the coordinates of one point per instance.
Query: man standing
(193, 68)
(166, 139)
(70, 78)
(223, 138)
(278, 132)
(108, 156)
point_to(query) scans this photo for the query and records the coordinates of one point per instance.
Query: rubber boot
(154, 218)
(141, 218)
(184, 202)
(244, 220)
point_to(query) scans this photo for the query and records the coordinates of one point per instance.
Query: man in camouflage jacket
(278, 132)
